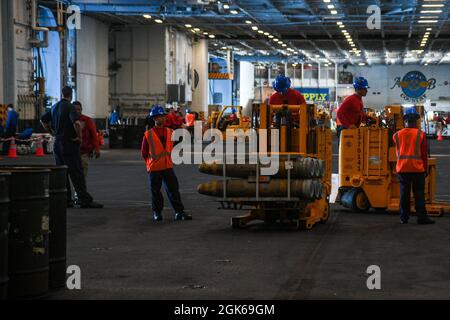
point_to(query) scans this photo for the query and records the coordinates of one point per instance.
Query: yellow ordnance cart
(367, 160)
(299, 191)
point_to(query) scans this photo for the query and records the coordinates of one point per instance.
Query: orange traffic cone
(12, 152)
(439, 138)
(39, 148)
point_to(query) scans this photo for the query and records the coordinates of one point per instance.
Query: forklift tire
(361, 202)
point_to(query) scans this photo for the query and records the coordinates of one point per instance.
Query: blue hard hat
(281, 84)
(360, 83)
(411, 114)
(157, 110)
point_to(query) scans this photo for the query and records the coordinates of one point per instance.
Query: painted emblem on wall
(414, 86)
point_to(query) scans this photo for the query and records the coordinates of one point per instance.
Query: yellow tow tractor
(299, 191)
(367, 160)
(222, 119)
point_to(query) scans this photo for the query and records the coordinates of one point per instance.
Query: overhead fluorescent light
(197, 29)
(341, 26)
(423, 44)
(266, 33)
(284, 45)
(333, 12)
(344, 31)
(158, 21)
(432, 5)
(188, 26)
(255, 28)
(427, 21)
(276, 40)
(147, 16)
(431, 11)
(226, 6)
(234, 12)
(270, 36)
(216, 45)
(212, 36)
(339, 23)
(429, 17)
(425, 64)
(224, 48)
(205, 33)
(248, 22)
(361, 64)
(326, 1)
(260, 31)
(330, 6)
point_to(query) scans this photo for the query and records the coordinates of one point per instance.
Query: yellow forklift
(221, 119)
(367, 160)
(299, 191)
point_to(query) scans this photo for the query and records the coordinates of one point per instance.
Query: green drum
(4, 209)
(28, 241)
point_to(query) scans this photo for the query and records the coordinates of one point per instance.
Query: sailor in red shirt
(351, 112)
(284, 93)
(174, 120)
(89, 146)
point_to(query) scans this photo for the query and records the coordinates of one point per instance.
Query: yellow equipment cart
(367, 160)
(300, 191)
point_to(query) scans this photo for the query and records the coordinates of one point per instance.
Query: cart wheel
(236, 223)
(361, 202)
(324, 219)
(304, 225)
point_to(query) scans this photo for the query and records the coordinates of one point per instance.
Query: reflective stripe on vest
(416, 155)
(153, 154)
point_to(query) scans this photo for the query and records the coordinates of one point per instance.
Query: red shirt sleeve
(350, 112)
(424, 152)
(300, 97)
(93, 134)
(144, 148)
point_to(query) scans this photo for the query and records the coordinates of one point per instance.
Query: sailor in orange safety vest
(156, 150)
(412, 167)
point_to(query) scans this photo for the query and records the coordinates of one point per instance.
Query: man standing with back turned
(64, 123)
(412, 167)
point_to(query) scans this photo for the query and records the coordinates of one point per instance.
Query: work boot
(425, 220)
(91, 205)
(157, 216)
(179, 216)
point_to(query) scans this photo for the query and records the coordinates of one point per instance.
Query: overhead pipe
(35, 42)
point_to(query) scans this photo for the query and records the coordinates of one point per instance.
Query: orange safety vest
(190, 119)
(408, 142)
(159, 158)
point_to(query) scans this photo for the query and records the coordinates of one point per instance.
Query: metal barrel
(28, 232)
(116, 137)
(304, 189)
(4, 209)
(304, 168)
(133, 136)
(58, 222)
